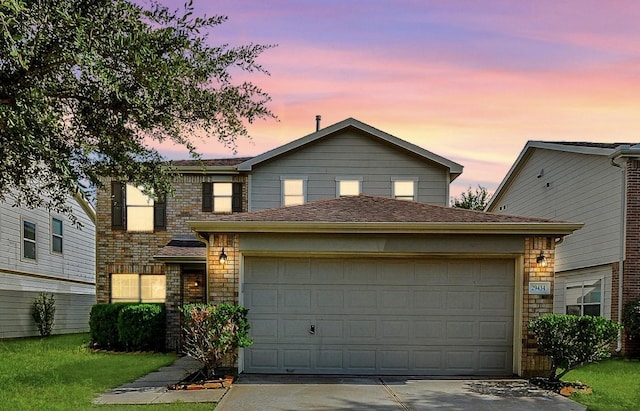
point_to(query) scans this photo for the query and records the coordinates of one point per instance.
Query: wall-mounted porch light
(541, 260)
(223, 257)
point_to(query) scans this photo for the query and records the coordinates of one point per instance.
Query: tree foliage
(472, 199)
(213, 332)
(86, 86)
(571, 341)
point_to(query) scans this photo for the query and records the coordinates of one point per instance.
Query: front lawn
(615, 384)
(60, 373)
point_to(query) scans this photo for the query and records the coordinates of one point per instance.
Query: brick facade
(119, 251)
(631, 267)
(534, 306)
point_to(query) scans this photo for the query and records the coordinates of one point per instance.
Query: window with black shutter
(236, 199)
(117, 206)
(207, 196)
(160, 215)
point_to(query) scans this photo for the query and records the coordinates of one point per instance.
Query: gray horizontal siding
(349, 155)
(573, 187)
(72, 313)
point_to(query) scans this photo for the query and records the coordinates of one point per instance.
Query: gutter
(623, 230)
(530, 228)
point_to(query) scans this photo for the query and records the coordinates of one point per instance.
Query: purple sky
(469, 80)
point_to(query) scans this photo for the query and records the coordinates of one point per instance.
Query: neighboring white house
(42, 251)
(592, 183)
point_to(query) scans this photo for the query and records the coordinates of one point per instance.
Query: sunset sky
(468, 80)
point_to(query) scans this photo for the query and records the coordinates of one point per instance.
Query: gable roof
(578, 147)
(369, 214)
(455, 169)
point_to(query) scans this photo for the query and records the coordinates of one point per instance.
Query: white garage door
(379, 316)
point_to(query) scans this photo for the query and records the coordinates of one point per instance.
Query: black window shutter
(207, 196)
(236, 198)
(160, 215)
(117, 205)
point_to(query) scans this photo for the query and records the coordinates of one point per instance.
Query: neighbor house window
(584, 298)
(222, 197)
(348, 187)
(132, 210)
(56, 235)
(138, 288)
(293, 192)
(28, 240)
(404, 190)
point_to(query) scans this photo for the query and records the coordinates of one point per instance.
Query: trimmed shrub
(631, 318)
(103, 325)
(213, 332)
(571, 341)
(44, 311)
(142, 327)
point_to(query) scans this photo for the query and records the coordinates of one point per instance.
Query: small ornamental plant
(44, 311)
(631, 319)
(571, 340)
(214, 332)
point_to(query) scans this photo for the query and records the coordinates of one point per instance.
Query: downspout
(623, 229)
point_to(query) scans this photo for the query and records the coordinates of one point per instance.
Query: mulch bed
(196, 381)
(561, 387)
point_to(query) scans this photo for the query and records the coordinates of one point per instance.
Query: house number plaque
(540, 287)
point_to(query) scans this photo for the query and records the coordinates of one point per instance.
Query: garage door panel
(367, 323)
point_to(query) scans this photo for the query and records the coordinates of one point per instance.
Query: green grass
(59, 373)
(615, 384)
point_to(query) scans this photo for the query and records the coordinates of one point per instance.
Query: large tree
(472, 199)
(87, 86)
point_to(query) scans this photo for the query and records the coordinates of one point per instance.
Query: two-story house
(42, 251)
(342, 246)
(594, 183)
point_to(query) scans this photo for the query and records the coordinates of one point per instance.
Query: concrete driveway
(294, 393)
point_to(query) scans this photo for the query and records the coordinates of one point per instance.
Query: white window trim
(304, 179)
(129, 207)
(214, 196)
(139, 288)
(53, 234)
(348, 178)
(415, 186)
(22, 240)
(581, 283)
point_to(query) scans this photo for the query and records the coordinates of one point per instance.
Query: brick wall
(126, 252)
(631, 269)
(223, 278)
(534, 306)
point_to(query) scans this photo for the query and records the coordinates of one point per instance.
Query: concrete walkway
(152, 388)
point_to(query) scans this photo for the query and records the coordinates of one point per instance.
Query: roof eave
(180, 259)
(532, 228)
(206, 169)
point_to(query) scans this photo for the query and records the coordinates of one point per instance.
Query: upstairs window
(404, 190)
(347, 187)
(56, 235)
(584, 298)
(222, 197)
(293, 192)
(28, 240)
(134, 211)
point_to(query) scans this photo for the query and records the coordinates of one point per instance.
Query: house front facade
(41, 251)
(593, 183)
(343, 248)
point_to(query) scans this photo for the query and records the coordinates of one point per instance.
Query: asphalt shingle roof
(372, 209)
(178, 248)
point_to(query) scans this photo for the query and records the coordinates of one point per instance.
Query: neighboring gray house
(44, 252)
(593, 183)
(344, 249)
